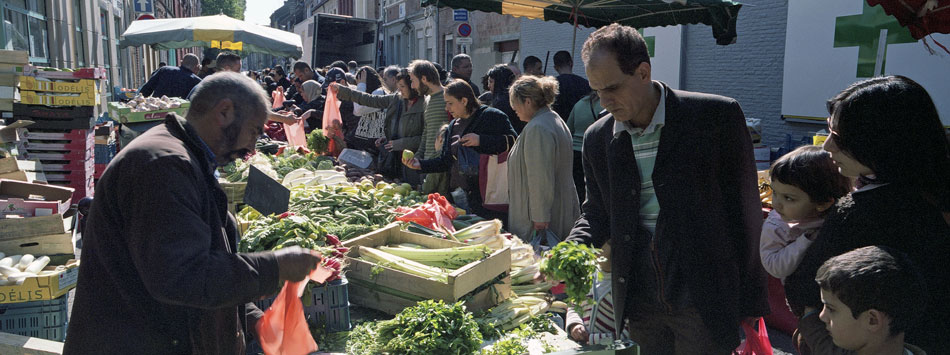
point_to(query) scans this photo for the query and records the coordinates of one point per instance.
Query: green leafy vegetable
(429, 327)
(574, 264)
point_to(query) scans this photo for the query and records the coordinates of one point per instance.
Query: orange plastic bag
(278, 97)
(296, 136)
(283, 330)
(332, 121)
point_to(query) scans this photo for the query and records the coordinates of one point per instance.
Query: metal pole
(438, 35)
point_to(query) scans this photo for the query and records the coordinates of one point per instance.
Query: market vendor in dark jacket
(478, 127)
(671, 184)
(159, 272)
(173, 81)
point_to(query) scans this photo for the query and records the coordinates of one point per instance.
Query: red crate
(99, 170)
(55, 145)
(68, 176)
(79, 155)
(80, 191)
(60, 165)
(71, 134)
(82, 73)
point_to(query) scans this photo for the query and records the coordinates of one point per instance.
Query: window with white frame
(24, 28)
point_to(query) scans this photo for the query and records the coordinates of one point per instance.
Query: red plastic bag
(756, 341)
(283, 330)
(437, 213)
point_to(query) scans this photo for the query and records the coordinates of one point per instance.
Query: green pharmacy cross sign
(651, 43)
(871, 31)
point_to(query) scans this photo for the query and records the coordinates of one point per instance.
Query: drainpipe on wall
(438, 34)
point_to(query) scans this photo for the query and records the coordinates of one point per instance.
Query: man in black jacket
(173, 81)
(671, 183)
(160, 270)
(571, 88)
(462, 69)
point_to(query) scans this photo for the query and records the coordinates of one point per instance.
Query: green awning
(721, 15)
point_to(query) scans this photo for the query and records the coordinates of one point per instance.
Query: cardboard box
(461, 282)
(87, 87)
(11, 228)
(20, 170)
(49, 99)
(14, 57)
(30, 200)
(43, 288)
(53, 244)
(10, 133)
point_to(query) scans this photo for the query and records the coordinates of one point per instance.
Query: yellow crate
(34, 98)
(89, 88)
(43, 288)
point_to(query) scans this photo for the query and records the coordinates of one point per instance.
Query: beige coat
(540, 180)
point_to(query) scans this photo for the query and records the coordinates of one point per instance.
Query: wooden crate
(371, 295)
(460, 282)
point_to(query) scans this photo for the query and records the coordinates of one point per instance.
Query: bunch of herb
(575, 264)
(276, 232)
(317, 142)
(429, 327)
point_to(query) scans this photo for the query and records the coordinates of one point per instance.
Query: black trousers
(579, 178)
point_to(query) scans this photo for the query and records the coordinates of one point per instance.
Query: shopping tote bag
(283, 329)
(493, 181)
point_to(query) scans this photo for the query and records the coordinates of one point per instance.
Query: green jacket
(582, 116)
(403, 120)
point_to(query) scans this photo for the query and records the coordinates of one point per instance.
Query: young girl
(805, 184)
(596, 325)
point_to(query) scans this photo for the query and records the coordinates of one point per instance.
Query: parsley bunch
(575, 264)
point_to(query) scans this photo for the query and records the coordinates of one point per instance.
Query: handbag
(468, 159)
(542, 242)
(493, 181)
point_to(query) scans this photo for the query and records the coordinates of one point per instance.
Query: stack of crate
(63, 106)
(105, 147)
(11, 64)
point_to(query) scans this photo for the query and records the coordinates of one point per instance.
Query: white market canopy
(217, 31)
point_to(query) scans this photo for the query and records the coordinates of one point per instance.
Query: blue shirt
(170, 81)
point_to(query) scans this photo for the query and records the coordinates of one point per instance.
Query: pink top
(782, 245)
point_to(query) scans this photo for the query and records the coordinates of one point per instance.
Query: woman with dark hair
(500, 78)
(372, 124)
(477, 127)
(404, 122)
(886, 133)
(486, 96)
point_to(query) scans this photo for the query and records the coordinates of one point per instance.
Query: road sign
(144, 6)
(465, 40)
(460, 15)
(145, 17)
(465, 30)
